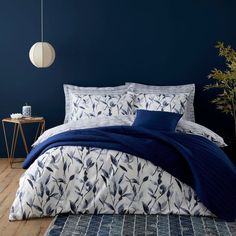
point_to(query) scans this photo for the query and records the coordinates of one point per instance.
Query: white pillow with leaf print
(91, 105)
(161, 102)
(68, 89)
(174, 89)
(189, 127)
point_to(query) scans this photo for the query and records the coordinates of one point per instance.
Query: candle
(26, 111)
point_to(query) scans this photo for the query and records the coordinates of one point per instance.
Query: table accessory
(16, 115)
(26, 110)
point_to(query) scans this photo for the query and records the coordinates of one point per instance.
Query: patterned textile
(183, 126)
(189, 127)
(161, 102)
(84, 123)
(91, 180)
(68, 89)
(88, 106)
(153, 89)
(160, 225)
(186, 157)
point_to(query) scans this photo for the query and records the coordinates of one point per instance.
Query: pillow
(91, 105)
(68, 89)
(161, 102)
(189, 88)
(189, 127)
(163, 121)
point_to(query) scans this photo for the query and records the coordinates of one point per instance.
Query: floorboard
(9, 179)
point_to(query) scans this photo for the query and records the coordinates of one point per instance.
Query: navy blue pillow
(159, 120)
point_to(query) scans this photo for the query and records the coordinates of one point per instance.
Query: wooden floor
(9, 179)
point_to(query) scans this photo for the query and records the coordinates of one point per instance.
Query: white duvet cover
(71, 179)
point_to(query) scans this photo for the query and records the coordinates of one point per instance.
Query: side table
(18, 127)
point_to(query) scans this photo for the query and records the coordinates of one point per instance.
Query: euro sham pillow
(189, 127)
(189, 88)
(72, 89)
(161, 102)
(91, 105)
(157, 120)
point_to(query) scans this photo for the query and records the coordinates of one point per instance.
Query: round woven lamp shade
(42, 54)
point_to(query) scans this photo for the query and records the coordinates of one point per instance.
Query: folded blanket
(192, 159)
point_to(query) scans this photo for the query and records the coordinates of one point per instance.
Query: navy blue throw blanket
(192, 159)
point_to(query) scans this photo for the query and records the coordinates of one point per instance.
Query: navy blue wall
(108, 42)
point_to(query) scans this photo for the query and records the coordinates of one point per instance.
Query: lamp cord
(42, 26)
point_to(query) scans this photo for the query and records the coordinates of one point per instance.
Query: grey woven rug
(159, 225)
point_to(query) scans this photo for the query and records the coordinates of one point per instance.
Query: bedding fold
(192, 159)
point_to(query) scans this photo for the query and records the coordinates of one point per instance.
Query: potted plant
(225, 81)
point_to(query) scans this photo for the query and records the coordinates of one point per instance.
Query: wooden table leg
(6, 142)
(42, 127)
(37, 132)
(14, 142)
(11, 153)
(24, 140)
(40, 130)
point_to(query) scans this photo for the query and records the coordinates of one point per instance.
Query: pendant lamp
(42, 54)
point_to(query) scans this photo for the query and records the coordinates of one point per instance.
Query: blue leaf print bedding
(92, 180)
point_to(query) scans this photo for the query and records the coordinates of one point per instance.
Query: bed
(79, 177)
